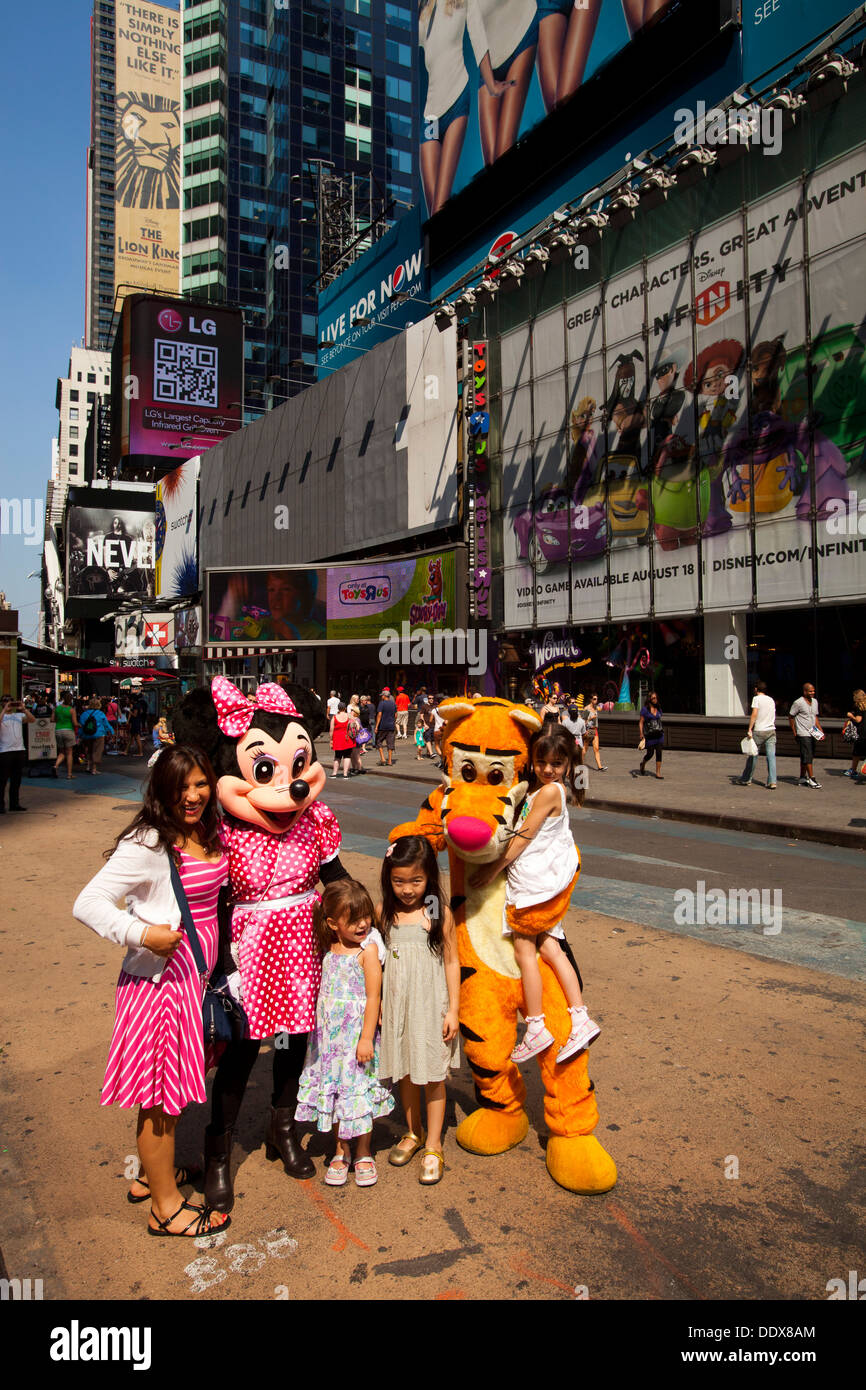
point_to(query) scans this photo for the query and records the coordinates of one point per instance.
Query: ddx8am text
(718, 1334)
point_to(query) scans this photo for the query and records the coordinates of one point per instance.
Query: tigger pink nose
(469, 833)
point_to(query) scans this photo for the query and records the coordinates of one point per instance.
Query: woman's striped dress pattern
(157, 1047)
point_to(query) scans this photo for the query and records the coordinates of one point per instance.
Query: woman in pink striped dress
(156, 1060)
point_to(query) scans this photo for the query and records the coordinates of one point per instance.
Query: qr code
(185, 373)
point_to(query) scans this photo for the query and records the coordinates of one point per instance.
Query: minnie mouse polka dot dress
(273, 885)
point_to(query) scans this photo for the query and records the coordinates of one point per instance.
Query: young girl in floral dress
(339, 1087)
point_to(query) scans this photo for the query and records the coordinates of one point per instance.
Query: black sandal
(199, 1226)
(184, 1177)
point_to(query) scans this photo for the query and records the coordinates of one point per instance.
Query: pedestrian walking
(333, 704)
(386, 719)
(856, 716)
(342, 741)
(420, 745)
(573, 721)
(651, 734)
(806, 728)
(339, 1087)
(438, 726)
(156, 1059)
(402, 705)
(65, 732)
(93, 730)
(137, 716)
(591, 716)
(14, 714)
(762, 728)
(420, 997)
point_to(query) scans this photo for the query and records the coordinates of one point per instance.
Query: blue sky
(45, 100)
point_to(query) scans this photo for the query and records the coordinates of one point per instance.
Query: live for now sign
(381, 294)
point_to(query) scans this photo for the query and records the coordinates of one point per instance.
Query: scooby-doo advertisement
(343, 602)
(705, 442)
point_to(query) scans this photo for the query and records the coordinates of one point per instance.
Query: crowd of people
(85, 729)
(361, 725)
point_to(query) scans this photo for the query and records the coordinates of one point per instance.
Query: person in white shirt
(504, 36)
(333, 704)
(803, 719)
(13, 716)
(762, 728)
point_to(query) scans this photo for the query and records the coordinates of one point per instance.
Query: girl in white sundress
(542, 860)
(420, 996)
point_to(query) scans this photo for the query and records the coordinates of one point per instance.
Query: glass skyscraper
(284, 105)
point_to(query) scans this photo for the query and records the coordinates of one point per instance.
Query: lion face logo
(148, 151)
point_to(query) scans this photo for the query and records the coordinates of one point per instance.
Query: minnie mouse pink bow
(234, 710)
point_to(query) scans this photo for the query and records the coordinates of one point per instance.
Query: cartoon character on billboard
(434, 581)
(767, 457)
(566, 521)
(626, 416)
(686, 477)
(147, 171)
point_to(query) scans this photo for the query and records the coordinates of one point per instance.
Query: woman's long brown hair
(162, 795)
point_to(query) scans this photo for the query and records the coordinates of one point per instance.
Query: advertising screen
(176, 531)
(712, 400)
(109, 553)
(144, 634)
(344, 602)
(177, 375)
(492, 69)
(187, 629)
(147, 155)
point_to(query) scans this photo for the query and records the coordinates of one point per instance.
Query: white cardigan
(140, 873)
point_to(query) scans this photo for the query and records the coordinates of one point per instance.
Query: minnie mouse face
(267, 755)
(279, 775)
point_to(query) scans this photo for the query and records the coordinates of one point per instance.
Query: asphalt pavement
(728, 1075)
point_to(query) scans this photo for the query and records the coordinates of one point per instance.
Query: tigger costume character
(485, 746)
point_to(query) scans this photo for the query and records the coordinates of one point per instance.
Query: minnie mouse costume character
(280, 842)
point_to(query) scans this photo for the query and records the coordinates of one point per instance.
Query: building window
(73, 451)
(73, 431)
(73, 413)
(91, 376)
(73, 395)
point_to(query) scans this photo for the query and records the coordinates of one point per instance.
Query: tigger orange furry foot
(492, 1132)
(580, 1163)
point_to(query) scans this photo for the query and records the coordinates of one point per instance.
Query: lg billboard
(177, 375)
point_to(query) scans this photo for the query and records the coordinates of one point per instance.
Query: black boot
(218, 1190)
(282, 1142)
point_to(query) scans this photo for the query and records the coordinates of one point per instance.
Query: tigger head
(486, 750)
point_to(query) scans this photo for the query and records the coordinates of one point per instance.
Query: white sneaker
(584, 1031)
(811, 782)
(536, 1039)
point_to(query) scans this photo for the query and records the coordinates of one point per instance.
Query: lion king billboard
(147, 158)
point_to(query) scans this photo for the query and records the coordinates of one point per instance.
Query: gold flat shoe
(427, 1176)
(400, 1157)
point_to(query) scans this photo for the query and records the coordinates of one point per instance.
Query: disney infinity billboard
(702, 443)
(177, 379)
